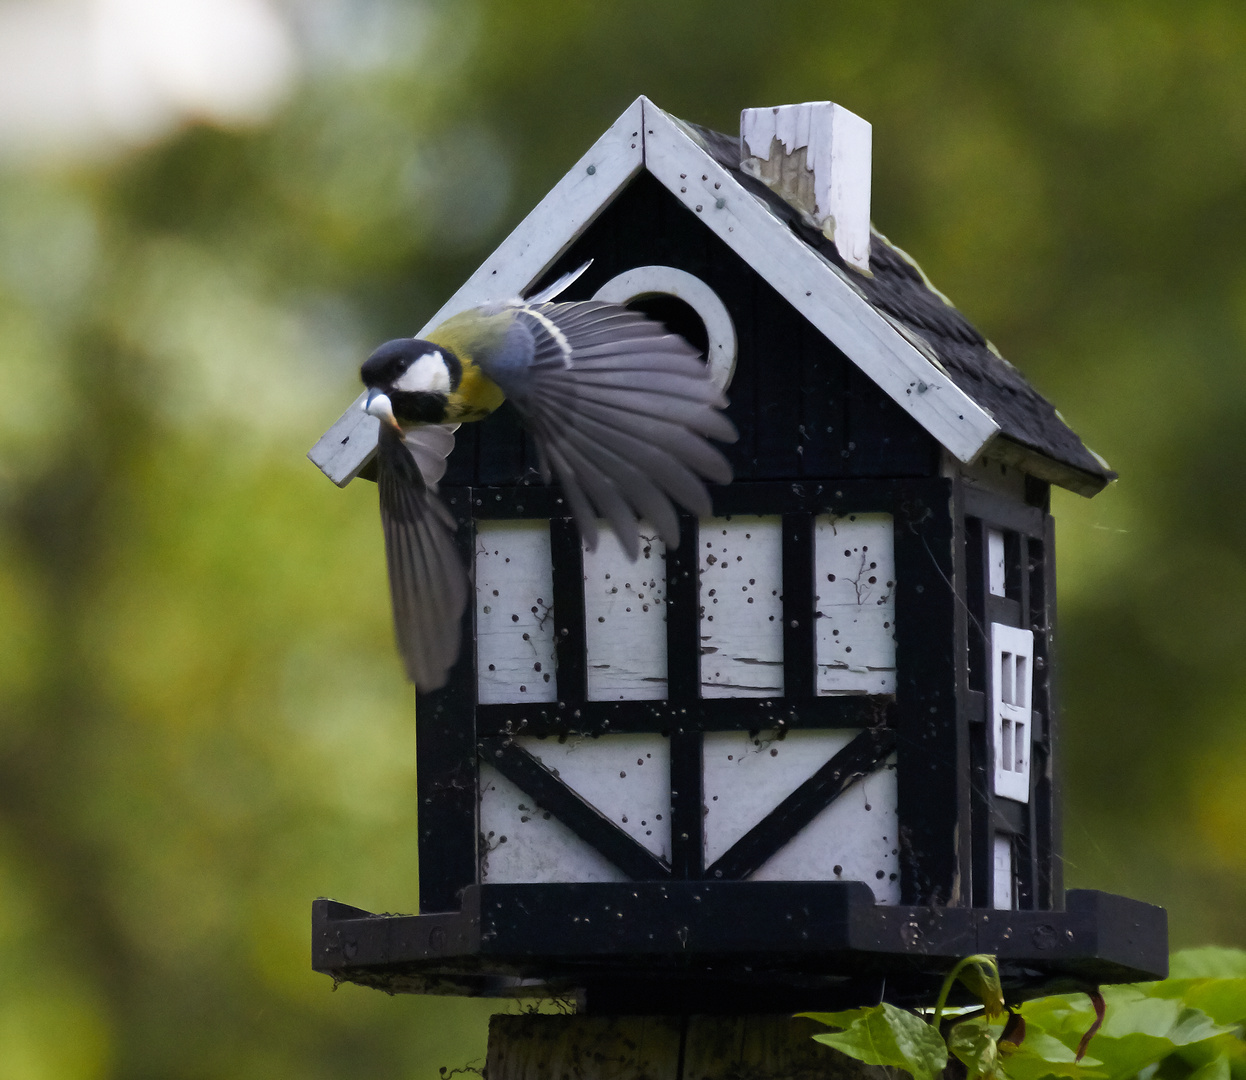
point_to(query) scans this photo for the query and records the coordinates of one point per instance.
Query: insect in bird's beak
(378, 405)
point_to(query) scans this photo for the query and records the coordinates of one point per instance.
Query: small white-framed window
(1005, 873)
(995, 562)
(642, 283)
(1012, 673)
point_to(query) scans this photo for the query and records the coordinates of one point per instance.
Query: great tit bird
(621, 411)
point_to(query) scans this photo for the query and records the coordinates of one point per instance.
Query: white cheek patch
(428, 374)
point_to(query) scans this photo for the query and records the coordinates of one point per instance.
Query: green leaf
(1041, 1055)
(982, 980)
(1139, 1030)
(1210, 962)
(1229, 1047)
(885, 1035)
(1037, 1056)
(974, 1044)
(1224, 1000)
(1066, 1017)
(1131, 1010)
(838, 1019)
(1216, 1069)
(1041, 1045)
(980, 976)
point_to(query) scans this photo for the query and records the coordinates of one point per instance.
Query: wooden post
(543, 1047)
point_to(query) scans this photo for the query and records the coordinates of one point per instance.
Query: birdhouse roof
(898, 329)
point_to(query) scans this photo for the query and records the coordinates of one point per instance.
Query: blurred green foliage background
(203, 724)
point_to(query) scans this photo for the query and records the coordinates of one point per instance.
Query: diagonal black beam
(580, 816)
(859, 758)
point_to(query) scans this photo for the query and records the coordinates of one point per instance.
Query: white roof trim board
(646, 137)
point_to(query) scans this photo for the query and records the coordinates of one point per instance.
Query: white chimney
(816, 156)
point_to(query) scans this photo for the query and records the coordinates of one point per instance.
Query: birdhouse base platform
(712, 947)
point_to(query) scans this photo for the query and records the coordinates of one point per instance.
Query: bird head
(410, 381)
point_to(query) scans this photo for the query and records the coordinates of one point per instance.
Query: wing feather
(603, 447)
(688, 413)
(642, 433)
(647, 490)
(427, 580)
(621, 411)
(575, 472)
(430, 445)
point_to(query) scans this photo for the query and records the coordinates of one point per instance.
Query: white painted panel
(625, 621)
(626, 777)
(854, 564)
(514, 612)
(520, 842)
(1012, 674)
(995, 562)
(856, 838)
(745, 777)
(552, 226)
(740, 566)
(1004, 874)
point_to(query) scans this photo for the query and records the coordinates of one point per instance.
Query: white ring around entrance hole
(642, 281)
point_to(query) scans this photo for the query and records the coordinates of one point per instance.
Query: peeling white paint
(854, 566)
(625, 621)
(816, 156)
(514, 612)
(740, 565)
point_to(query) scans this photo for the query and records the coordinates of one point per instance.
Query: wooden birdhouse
(815, 747)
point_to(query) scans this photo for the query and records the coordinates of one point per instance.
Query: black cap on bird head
(415, 377)
(396, 365)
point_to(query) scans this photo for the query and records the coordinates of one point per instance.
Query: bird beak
(378, 405)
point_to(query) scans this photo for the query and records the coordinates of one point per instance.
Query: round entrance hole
(677, 315)
(686, 306)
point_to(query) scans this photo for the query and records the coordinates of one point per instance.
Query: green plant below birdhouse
(1186, 1027)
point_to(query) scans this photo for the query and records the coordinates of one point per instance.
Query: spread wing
(427, 580)
(621, 411)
